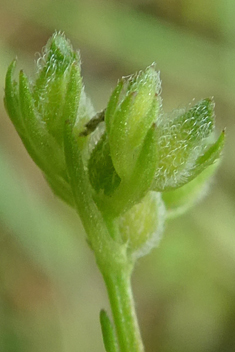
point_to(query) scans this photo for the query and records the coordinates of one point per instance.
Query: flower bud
(58, 75)
(38, 109)
(132, 109)
(184, 146)
(141, 226)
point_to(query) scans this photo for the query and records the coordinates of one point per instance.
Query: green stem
(118, 284)
(111, 255)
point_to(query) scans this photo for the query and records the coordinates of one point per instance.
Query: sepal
(41, 145)
(130, 191)
(11, 99)
(58, 76)
(183, 146)
(39, 108)
(132, 109)
(102, 174)
(180, 200)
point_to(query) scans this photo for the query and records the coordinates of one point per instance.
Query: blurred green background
(50, 289)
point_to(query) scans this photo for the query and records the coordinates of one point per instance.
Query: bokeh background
(50, 289)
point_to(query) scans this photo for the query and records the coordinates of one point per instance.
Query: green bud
(141, 226)
(39, 108)
(58, 75)
(144, 149)
(185, 147)
(132, 109)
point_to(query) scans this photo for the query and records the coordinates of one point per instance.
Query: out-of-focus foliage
(50, 289)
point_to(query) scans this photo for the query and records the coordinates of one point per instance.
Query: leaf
(109, 337)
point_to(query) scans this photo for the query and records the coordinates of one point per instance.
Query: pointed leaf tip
(109, 337)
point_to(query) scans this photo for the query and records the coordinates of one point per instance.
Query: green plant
(125, 170)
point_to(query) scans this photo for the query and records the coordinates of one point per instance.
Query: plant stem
(122, 304)
(111, 255)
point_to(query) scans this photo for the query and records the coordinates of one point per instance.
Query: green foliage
(109, 337)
